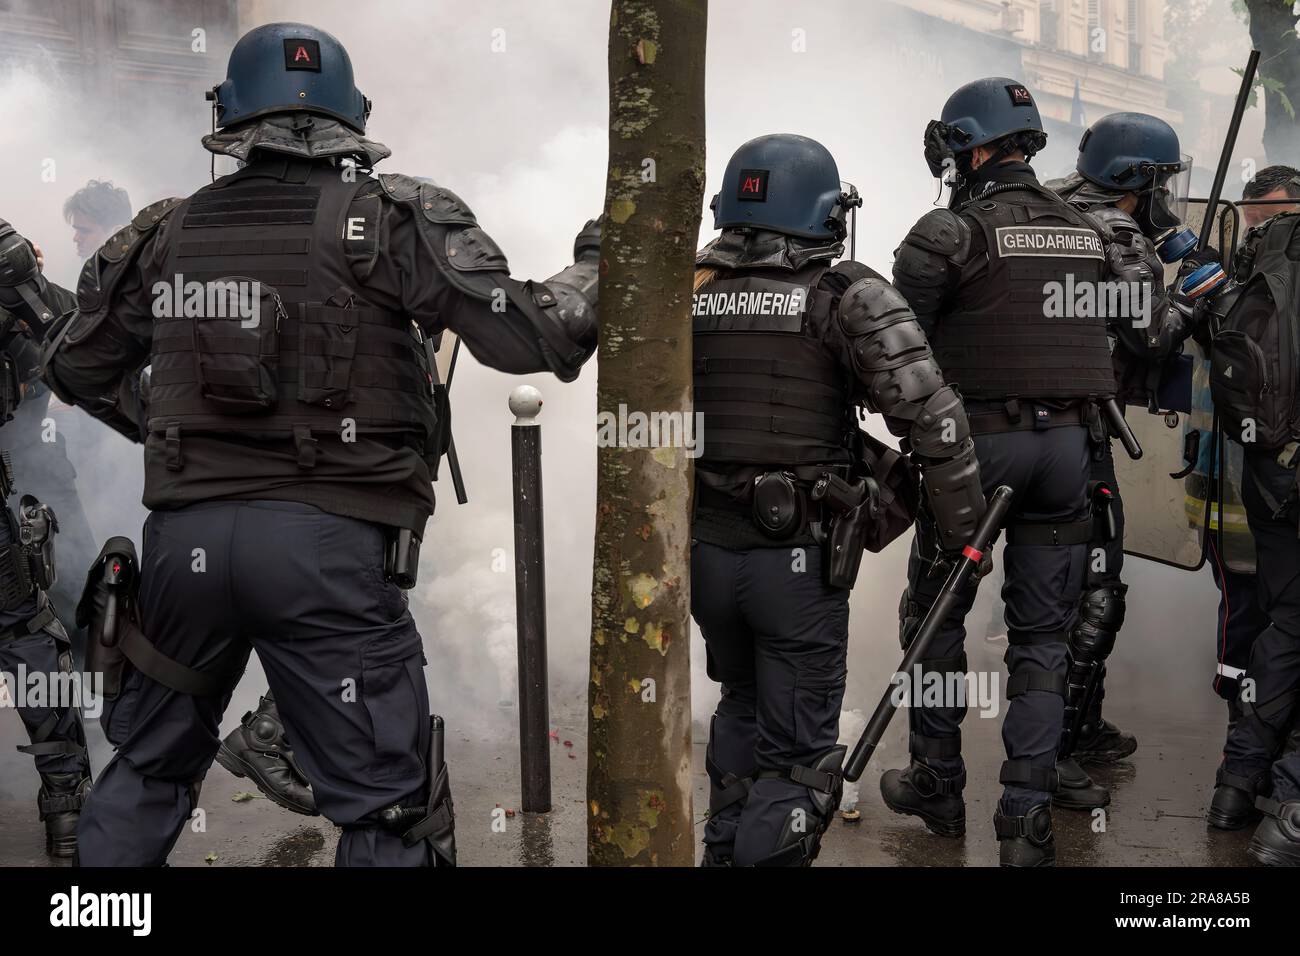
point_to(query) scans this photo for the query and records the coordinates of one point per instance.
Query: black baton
(985, 537)
(1119, 426)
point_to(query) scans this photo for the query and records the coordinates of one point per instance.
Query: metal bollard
(530, 600)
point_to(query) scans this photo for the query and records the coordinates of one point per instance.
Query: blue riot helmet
(1138, 153)
(787, 183)
(289, 67)
(979, 113)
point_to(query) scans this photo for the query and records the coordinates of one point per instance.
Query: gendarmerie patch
(302, 55)
(777, 308)
(1059, 241)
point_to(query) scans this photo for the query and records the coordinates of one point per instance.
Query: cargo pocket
(327, 346)
(391, 680)
(237, 345)
(817, 703)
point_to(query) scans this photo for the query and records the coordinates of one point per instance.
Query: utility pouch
(237, 349)
(402, 557)
(778, 506)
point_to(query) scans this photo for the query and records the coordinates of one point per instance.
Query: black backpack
(1255, 358)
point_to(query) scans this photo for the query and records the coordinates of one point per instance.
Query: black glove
(1208, 287)
(586, 247)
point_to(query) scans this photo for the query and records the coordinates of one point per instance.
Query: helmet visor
(1169, 190)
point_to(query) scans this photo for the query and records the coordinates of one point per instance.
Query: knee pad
(800, 838)
(1101, 615)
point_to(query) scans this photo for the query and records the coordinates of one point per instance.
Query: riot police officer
(290, 426)
(1128, 180)
(976, 275)
(787, 344)
(33, 640)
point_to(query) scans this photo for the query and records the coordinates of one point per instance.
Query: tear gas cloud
(515, 123)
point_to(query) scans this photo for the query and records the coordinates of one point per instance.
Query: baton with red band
(982, 541)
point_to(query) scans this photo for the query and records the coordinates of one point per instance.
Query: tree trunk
(639, 725)
(1273, 32)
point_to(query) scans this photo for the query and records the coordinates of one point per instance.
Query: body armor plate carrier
(769, 390)
(999, 340)
(303, 353)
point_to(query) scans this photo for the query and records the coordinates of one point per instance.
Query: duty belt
(1027, 415)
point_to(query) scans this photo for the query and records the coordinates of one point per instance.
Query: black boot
(1103, 742)
(1233, 805)
(1277, 838)
(921, 792)
(1027, 840)
(60, 800)
(1077, 790)
(257, 749)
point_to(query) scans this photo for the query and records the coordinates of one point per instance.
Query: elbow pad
(956, 500)
(891, 354)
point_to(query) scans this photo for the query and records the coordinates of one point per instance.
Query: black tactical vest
(769, 392)
(318, 359)
(999, 341)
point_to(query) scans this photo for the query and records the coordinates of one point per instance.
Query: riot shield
(1173, 494)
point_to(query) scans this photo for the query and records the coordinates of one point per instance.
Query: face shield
(1162, 210)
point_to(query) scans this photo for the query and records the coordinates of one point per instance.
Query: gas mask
(1162, 210)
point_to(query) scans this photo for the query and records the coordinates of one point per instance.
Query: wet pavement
(1159, 689)
(1156, 817)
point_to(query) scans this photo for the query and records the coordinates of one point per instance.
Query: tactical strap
(1020, 638)
(151, 662)
(938, 748)
(818, 780)
(1050, 534)
(1252, 784)
(729, 789)
(32, 625)
(1260, 715)
(43, 746)
(929, 783)
(1021, 773)
(1027, 679)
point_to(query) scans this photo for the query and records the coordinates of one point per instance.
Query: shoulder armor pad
(438, 205)
(852, 270)
(941, 231)
(472, 250)
(869, 303)
(120, 244)
(103, 270)
(1114, 224)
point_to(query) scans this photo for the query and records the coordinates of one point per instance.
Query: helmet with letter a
(786, 183)
(289, 68)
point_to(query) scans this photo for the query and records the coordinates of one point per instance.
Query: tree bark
(1273, 32)
(639, 722)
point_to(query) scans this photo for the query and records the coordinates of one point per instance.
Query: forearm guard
(893, 359)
